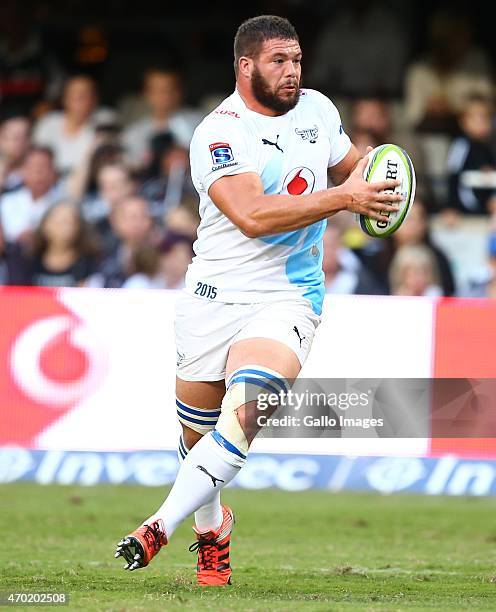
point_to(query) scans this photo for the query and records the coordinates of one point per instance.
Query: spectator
(415, 231)
(373, 117)
(30, 77)
(70, 132)
(176, 253)
(414, 272)
(483, 285)
(144, 269)
(105, 149)
(13, 264)
(64, 251)
(22, 209)
(344, 272)
(132, 224)
(364, 138)
(115, 184)
(167, 178)
(437, 86)
(14, 144)
(378, 254)
(361, 51)
(163, 92)
(184, 219)
(472, 151)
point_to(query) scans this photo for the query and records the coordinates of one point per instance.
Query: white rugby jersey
(291, 154)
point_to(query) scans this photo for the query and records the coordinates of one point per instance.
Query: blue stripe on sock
(182, 448)
(255, 381)
(221, 441)
(197, 421)
(278, 381)
(202, 413)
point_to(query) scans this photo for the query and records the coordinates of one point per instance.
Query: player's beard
(270, 99)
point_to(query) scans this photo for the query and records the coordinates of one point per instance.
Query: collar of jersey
(244, 108)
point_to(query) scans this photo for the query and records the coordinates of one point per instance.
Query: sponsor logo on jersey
(221, 153)
(299, 181)
(275, 144)
(229, 113)
(310, 134)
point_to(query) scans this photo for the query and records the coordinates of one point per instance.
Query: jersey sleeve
(340, 141)
(218, 149)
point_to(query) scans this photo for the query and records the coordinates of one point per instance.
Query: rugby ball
(388, 161)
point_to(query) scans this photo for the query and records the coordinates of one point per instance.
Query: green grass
(292, 551)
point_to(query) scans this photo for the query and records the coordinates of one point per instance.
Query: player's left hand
(375, 200)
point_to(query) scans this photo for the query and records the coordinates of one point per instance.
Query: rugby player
(254, 291)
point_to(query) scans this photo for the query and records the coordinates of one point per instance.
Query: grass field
(292, 551)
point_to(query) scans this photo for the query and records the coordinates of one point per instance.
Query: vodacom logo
(299, 181)
(57, 361)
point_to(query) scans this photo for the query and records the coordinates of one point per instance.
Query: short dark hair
(253, 32)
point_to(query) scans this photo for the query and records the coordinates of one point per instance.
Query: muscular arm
(341, 171)
(241, 198)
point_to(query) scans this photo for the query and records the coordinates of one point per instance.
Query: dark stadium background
(133, 34)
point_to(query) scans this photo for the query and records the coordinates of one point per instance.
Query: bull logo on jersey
(299, 181)
(310, 134)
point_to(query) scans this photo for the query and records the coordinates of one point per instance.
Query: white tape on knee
(228, 424)
(198, 419)
(246, 384)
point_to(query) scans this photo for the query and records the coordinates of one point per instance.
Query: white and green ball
(388, 161)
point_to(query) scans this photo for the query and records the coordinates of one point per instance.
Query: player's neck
(252, 103)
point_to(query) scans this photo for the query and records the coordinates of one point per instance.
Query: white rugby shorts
(205, 331)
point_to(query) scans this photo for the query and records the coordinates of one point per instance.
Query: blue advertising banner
(447, 475)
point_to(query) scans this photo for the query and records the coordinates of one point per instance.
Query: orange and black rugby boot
(139, 547)
(213, 566)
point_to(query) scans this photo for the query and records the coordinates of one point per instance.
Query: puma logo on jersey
(215, 480)
(274, 144)
(297, 332)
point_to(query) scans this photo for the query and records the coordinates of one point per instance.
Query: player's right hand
(370, 199)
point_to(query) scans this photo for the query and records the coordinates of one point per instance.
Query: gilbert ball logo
(56, 361)
(299, 181)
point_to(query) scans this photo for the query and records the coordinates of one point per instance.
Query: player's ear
(245, 66)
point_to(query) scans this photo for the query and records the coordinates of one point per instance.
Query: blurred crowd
(100, 196)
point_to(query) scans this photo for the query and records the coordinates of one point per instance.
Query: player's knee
(244, 385)
(190, 437)
(200, 420)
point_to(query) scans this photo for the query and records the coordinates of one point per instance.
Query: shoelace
(152, 536)
(207, 553)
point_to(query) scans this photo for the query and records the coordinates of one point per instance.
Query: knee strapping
(200, 420)
(244, 385)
